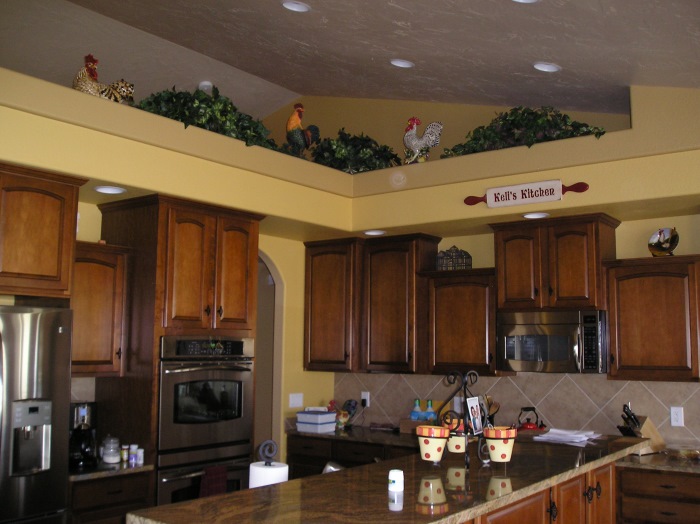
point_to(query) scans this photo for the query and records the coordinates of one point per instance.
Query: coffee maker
(82, 444)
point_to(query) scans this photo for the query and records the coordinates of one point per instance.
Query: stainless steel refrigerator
(34, 405)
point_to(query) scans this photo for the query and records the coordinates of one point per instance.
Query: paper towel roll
(263, 475)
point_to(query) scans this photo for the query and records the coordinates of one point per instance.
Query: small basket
(453, 258)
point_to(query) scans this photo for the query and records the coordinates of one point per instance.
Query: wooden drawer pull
(667, 486)
(115, 492)
(668, 513)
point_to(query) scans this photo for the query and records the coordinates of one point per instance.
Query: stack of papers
(568, 436)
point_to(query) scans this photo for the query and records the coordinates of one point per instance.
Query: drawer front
(675, 486)
(648, 510)
(109, 492)
(358, 452)
(309, 446)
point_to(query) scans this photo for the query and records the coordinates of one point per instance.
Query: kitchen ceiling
(263, 56)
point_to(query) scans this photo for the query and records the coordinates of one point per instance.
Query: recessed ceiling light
(299, 7)
(526, 1)
(533, 216)
(110, 190)
(374, 232)
(547, 67)
(400, 62)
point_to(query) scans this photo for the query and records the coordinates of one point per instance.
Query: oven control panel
(202, 348)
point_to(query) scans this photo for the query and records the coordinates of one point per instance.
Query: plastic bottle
(417, 412)
(430, 415)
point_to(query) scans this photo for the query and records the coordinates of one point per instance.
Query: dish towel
(213, 481)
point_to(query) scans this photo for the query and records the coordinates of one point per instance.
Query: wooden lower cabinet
(108, 500)
(531, 510)
(588, 498)
(307, 455)
(657, 496)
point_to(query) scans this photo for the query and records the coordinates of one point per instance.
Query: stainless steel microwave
(552, 341)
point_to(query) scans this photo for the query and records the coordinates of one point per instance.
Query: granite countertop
(360, 494)
(368, 435)
(660, 462)
(108, 470)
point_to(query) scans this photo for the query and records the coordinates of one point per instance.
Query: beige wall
(650, 170)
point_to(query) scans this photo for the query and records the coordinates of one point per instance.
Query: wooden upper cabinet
(394, 319)
(99, 302)
(553, 263)
(332, 304)
(462, 321)
(211, 270)
(38, 217)
(653, 313)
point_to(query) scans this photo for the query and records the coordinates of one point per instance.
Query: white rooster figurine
(417, 147)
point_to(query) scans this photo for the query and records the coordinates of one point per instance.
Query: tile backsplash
(564, 401)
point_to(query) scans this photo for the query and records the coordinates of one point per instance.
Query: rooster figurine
(417, 147)
(299, 138)
(86, 81)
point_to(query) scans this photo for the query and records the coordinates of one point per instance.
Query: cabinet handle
(220, 311)
(588, 494)
(537, 292)
(119, 353)
(598, 489)
(612, 359)
(667, 486)
(668, 513)
(551, 291)
(552, 510)
(347, 356)
(207, 310)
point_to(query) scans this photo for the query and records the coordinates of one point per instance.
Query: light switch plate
(364, 396)
(296, 400)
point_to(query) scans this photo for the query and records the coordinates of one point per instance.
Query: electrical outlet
(364, 397)
(677, 416)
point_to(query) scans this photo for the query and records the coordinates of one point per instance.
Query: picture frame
(474, 416)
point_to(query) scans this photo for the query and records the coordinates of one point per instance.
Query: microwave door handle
(195, 474)
(579, 350)
(206, 368)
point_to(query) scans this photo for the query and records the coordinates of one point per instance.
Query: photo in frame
(474, 416)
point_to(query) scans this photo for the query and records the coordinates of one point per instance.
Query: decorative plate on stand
(663, 241)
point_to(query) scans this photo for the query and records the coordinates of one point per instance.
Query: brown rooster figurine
(86, 81)
(417, 147)
(298, 137)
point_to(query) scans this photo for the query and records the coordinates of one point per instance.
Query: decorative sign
(533, 193)
(521, 194)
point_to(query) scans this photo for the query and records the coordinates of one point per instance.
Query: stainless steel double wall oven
(205, 414)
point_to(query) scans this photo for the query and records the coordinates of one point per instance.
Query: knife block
(648, 430)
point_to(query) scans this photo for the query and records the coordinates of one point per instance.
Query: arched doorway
(267, 359)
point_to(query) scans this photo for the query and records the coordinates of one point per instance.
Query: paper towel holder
(267, 451)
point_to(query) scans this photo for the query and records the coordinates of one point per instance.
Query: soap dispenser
(430, 415)
(417, 412)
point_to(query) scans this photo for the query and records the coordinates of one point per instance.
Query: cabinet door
(519, 264)
(653, 319)
(189, 269)
(573, 276)
(570, 501)
(532, 509)
(394, 318)
(601, 482)
(332, 305)
(98, 302)
(37, 233)
(236, 273)
(461, 325)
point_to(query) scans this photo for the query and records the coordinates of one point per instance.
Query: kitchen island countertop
(360, 494)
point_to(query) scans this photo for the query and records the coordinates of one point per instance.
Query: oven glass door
(180, 484)
(207, 404)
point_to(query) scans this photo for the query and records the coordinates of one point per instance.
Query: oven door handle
(206, 368)
(196, 474)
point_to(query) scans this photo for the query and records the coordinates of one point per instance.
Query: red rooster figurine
(299, 138)
(417, 147)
